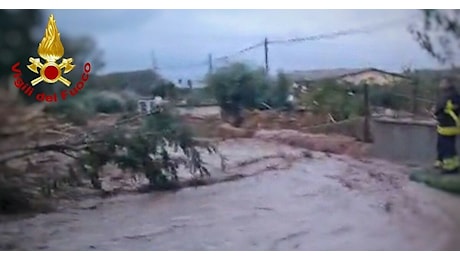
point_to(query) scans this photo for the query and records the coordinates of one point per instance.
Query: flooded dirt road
(291, 202)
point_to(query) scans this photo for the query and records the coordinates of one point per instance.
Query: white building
(148, 106)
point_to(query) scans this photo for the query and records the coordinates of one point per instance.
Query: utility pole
(210, 63)
(266, 54)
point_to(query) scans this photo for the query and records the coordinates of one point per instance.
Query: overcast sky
(181, 38)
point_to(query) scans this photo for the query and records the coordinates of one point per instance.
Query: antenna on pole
(154, 61)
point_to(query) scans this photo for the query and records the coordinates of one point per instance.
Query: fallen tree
(154, 146)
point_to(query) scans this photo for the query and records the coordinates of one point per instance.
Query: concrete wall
(405, 140)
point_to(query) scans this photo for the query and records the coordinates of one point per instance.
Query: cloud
(185, 37)
(95, 22)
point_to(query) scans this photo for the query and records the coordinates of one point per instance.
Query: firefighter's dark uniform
(447, 114)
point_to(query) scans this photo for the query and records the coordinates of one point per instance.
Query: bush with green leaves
(239, 86)
(106, 102)
(74, 110)
(147, 150)
(432, 178)
(78, 109)
(156, 146)
(334, 98)
(388, 98)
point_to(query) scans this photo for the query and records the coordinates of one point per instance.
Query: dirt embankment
(301, 129)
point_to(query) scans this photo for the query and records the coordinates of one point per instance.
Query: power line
(227, 57)
(221, 58)
(333, 35)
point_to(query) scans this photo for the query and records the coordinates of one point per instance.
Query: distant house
(181, 83)
(351, 76)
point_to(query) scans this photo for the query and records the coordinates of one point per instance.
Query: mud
(287, 201)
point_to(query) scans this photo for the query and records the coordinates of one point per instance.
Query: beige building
(352, 76)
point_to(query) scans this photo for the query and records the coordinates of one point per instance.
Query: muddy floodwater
(288, 201)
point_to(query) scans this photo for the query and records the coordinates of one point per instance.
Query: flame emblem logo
(51, 50)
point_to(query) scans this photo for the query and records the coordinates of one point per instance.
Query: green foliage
(386, 97)
(78, 109)
(432, 178)
(281, 90)
(344, 101)
(239, 85)
(130, 105)
(274, 92)
(106, 102)
(427, 82)
(236, 84)
(166, 90)
(73, 110)
(440, 34)
(147, 150)
(13, 199)
(16, 193)
(330, 97)
(16, 41)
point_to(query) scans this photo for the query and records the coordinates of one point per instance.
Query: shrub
(146, 150)
(79, 109)
(331, 97)
(76, 110)
(240, 86)
(386, 98)
(107, 102)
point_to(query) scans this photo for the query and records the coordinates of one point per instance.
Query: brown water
(320, 203)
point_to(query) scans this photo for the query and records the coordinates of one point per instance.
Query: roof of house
(314, 75)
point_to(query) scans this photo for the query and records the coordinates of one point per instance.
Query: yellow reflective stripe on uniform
(450, 130)
(450, 111)
(450, 163)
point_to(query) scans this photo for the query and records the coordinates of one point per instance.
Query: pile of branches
(154, 145)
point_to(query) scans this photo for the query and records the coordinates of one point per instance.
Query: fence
(370, 102)
(406, 104)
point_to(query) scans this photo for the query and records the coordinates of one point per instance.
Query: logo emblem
(51, 50)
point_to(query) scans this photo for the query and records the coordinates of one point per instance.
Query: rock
(89, 204)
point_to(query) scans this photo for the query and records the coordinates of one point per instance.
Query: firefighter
(447, 112)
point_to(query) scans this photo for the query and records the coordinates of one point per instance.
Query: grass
(432, 178)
